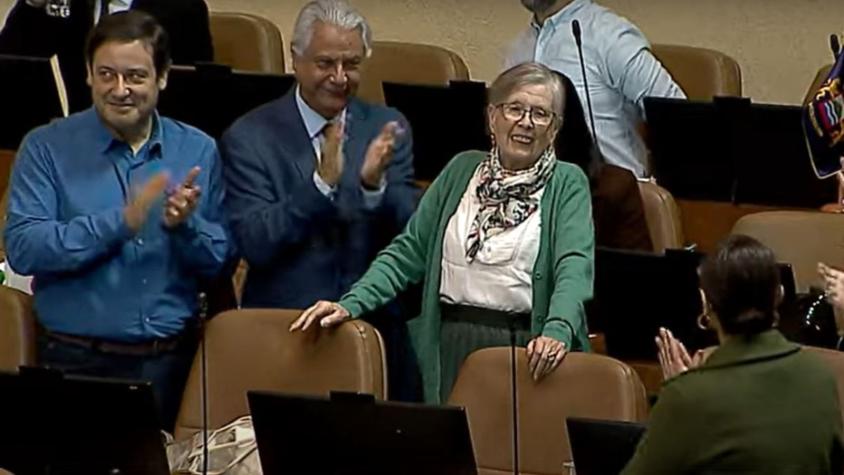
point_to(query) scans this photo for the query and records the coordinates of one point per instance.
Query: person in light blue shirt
(116, 212)
(620, 69)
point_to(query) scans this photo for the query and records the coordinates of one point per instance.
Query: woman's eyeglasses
(515, 112)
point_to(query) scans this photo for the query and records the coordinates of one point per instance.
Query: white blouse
(499, 277)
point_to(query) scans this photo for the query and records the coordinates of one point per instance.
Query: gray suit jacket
(301, 246)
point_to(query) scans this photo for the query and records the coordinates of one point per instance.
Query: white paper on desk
(15, 280)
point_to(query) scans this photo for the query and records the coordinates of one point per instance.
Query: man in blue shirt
(116, 213)
(620, 68)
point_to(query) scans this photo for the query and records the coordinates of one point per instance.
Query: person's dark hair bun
(741, 281)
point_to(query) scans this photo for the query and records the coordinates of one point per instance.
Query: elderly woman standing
(499, 239)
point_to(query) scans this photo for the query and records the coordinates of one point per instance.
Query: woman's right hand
(833, 286)
(673, 357)
(326, 313)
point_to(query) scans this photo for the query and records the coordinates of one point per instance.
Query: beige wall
(780, 44)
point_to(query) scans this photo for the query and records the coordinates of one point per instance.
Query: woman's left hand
(673, 357)
(544, 355)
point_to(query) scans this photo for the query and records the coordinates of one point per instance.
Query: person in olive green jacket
(758, 404)
(501, 239)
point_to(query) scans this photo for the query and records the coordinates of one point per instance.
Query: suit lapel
(357, 136)
(296, 141)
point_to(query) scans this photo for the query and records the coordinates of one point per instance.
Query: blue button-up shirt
(93, 276)
(620, 68)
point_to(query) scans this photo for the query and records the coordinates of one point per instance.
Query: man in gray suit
(317, 181)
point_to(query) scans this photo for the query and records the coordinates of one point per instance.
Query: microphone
(203, 376)
(514, 394)
(835, 45)
(575, 31)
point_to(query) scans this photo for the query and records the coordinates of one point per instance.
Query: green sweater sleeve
(573, 259)
(668, 445)
(403, 262)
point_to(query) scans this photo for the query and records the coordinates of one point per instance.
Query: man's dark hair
(129, 26)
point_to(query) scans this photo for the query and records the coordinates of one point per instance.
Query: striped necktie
(321, 136)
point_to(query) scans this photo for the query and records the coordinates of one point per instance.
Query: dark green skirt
(466, 329)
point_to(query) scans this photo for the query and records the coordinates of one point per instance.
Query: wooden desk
(7, 158)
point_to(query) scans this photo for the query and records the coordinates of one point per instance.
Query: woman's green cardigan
(562, 275)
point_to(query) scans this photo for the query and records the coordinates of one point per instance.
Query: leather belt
(144, 348)
(484, 316)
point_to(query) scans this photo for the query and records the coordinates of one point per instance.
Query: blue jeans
(167, 371)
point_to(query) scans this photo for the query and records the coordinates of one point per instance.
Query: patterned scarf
(506, 197)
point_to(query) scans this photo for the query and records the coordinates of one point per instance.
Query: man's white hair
(331, 12)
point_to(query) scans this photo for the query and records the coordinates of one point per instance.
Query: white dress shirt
(620, 68)
(499, 277)
(314, 124)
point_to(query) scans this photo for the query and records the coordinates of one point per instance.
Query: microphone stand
(203, 376)
(514, 395)
(575, 30)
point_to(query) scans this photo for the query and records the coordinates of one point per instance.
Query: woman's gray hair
(528, 74)
(331, 12)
